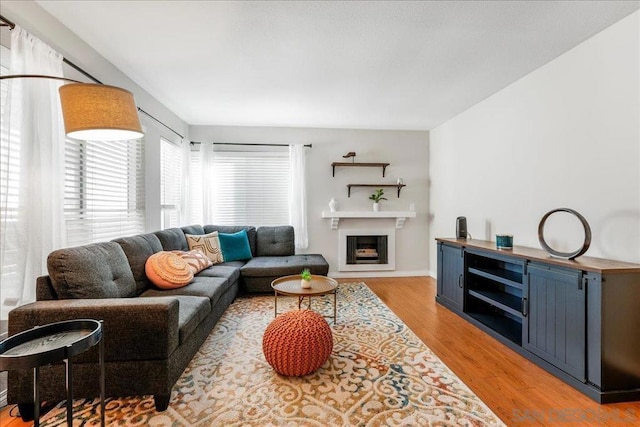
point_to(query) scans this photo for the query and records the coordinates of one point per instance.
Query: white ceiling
(335, 64)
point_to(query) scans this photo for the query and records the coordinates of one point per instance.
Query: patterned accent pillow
(208, 244)
(196, 259)
(167, 270)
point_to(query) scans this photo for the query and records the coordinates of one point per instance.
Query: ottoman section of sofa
(258, 273)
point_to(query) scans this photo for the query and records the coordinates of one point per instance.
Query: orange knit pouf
(297, 343)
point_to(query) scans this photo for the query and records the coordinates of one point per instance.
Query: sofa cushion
(210, 287)
(276, 266)
(191, 311)
(227, 270)
(138, 249)
(193, 229)
(98, 270)
(275, 241)
(208, 244)
(235, 246)
(172, 239)
(251, 233)
(168, 270)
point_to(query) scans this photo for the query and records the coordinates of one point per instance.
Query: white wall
(566, 135)
(30, 16)
(407, 153)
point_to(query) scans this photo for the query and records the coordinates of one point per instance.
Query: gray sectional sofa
(150, 334)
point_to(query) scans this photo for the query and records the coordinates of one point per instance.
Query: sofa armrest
(133, 328)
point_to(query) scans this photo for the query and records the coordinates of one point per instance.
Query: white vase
(376, 207)
(305, 284)
(333, 205)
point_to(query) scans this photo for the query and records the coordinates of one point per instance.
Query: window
(104, 190)
(170, 183)
(249, 188)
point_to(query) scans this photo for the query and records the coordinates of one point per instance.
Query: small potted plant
(305, 279)
(376, 197)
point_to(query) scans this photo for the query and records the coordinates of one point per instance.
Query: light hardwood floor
(518, 391)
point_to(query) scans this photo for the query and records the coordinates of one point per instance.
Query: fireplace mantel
(400, 216)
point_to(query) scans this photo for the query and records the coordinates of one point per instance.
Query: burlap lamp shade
(97, 112)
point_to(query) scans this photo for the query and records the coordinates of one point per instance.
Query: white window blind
(171, 176)
(104, 190)
(249, 188)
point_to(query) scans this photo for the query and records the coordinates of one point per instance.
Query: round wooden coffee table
(320, 285)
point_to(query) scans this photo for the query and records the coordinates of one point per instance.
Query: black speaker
(461, 227)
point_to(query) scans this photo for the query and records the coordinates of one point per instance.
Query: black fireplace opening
(367, 250)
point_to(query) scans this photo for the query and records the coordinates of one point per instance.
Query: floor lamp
(95, 112)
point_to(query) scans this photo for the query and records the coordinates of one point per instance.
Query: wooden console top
(584, 263)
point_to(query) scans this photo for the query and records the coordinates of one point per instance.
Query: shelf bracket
(400, 222)
(384, 168)
(335, 221)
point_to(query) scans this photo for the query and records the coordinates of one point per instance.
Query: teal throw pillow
(235, 247)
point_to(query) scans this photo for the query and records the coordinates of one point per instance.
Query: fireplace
(366, 249)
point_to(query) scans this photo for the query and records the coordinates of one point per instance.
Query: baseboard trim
(365, 274)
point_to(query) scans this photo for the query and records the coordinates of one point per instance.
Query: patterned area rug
(379, 374)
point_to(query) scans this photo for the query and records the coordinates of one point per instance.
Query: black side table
(44, 345)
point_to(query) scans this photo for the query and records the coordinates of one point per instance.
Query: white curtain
(298, 195)
(185, 193)
(32, 222)
(207, 181)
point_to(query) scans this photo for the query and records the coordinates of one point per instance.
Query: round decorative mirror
(566, 255)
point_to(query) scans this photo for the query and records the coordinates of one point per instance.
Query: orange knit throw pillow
(167, 270)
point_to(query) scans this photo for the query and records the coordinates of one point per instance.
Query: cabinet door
(555, 322)
(450, 275)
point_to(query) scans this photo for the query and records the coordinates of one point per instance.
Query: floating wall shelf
(400, 216)
(362, 165)
(398, 186)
